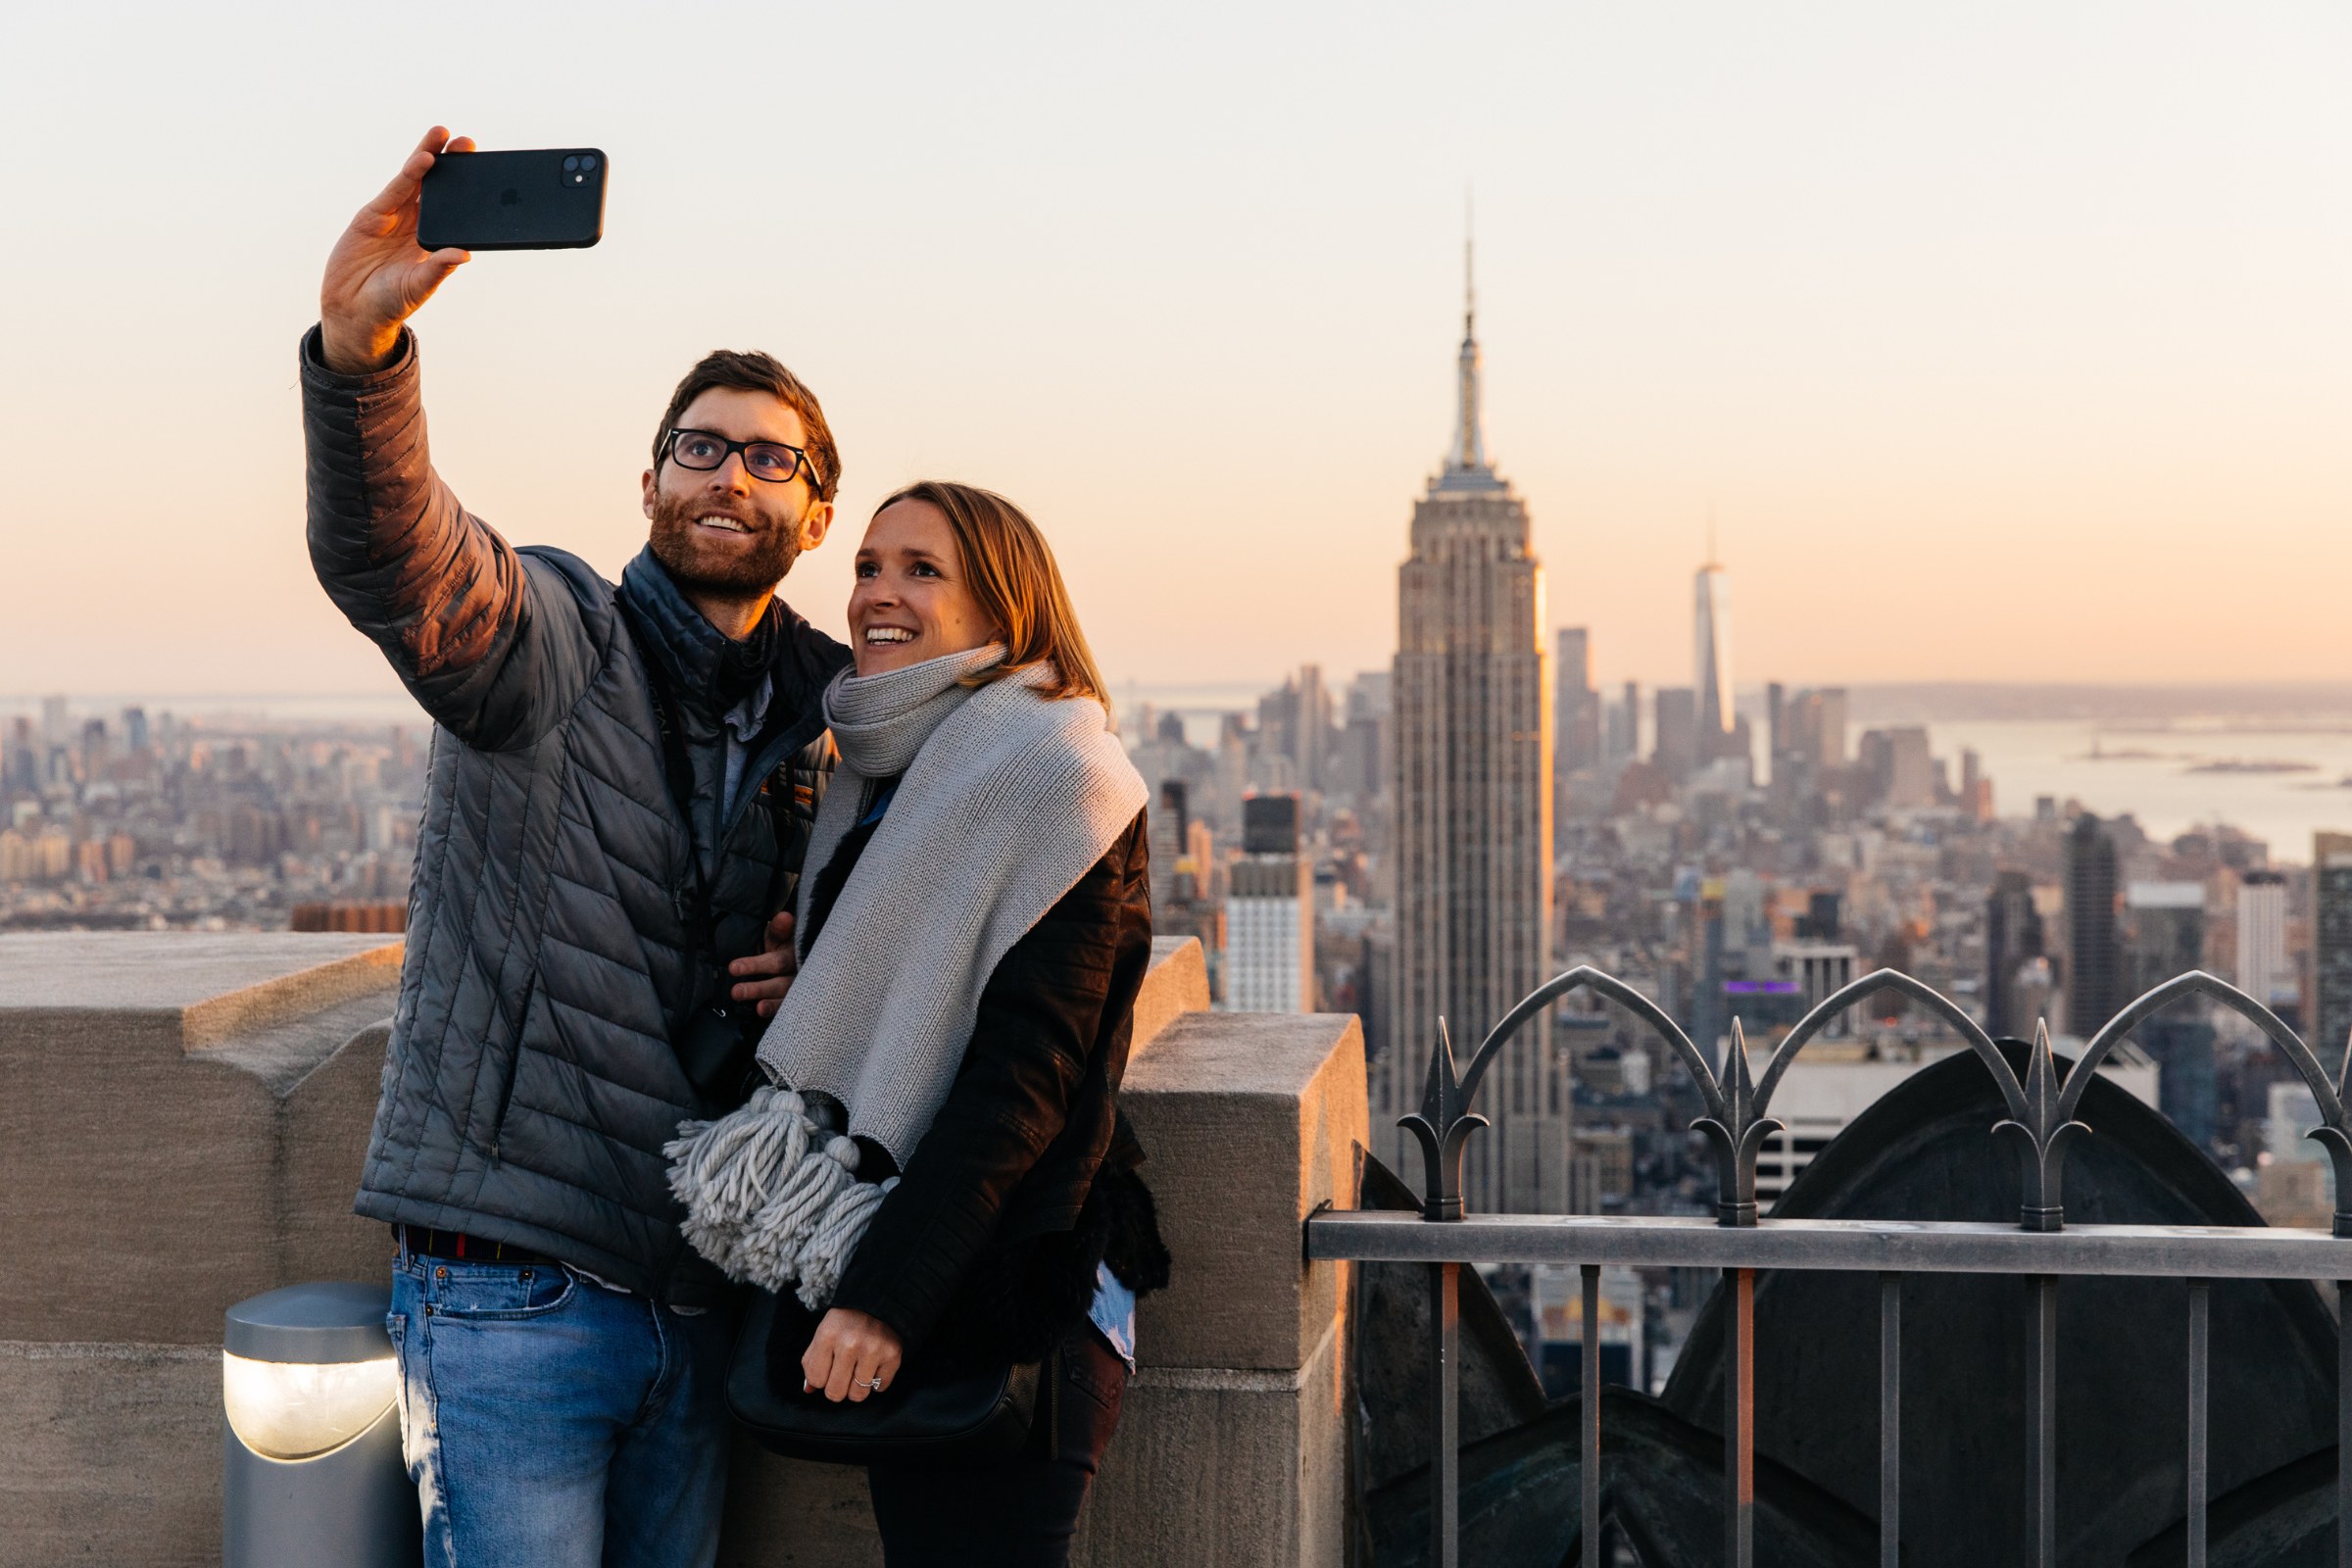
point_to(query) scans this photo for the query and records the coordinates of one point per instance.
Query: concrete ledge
(1177, 983)
(148, 1187)
(191, 989)
(1250, 1120)
(112, 1454)
(185, 1126)
(1236, 1468)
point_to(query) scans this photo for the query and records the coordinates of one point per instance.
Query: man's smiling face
(724, 529)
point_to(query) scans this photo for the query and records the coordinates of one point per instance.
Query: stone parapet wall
(184, 1125)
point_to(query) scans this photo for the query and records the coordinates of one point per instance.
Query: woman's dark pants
(1018, 1513)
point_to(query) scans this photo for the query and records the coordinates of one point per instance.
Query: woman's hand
(850, 1355)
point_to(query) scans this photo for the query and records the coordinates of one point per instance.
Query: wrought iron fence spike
(2047, 1129)
(1735, 1137)
(1441, 1127)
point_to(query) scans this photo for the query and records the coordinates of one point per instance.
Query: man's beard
(694, 560)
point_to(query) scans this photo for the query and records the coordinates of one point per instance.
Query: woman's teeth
(888, 634)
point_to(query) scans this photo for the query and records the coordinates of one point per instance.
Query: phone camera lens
(587, 160)
(570, 164)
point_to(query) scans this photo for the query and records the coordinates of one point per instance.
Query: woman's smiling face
(911, 603)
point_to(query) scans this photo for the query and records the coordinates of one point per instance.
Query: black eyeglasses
(706, 450)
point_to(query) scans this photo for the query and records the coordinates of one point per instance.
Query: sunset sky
(2007, 342)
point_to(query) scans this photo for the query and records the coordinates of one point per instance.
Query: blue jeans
(552, 1423)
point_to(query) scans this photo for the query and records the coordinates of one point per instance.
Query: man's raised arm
(438, 590)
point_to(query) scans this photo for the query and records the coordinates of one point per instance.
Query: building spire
(1469, 454)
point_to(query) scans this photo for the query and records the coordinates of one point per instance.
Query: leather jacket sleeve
(492, 657)
(1040, 1032)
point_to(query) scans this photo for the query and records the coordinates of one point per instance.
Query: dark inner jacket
(532, 1080)
(1027, 1179)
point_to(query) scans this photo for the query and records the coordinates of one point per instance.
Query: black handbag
(926, 1416)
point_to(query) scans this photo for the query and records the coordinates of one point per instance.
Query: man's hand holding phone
(378, 275)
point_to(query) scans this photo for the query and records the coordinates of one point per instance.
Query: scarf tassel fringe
(772, 1198)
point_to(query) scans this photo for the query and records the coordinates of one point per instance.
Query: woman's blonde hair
(1012, 572)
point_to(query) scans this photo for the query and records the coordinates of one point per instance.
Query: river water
(2157, 774)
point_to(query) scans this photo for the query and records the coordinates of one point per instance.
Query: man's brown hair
(1013, 573)
(759, 373)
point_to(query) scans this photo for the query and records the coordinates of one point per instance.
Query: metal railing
(2042, 1119)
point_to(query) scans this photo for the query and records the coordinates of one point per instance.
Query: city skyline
(2068, 313)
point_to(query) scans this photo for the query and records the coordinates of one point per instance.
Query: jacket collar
(683, 649)
(689, 656)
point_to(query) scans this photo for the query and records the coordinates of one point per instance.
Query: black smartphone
(544, 199)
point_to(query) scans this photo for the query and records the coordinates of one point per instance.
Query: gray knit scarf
(1006, 797)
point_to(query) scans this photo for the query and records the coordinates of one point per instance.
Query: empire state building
(1472, 828)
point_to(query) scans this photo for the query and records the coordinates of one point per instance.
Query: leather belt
(460, 1248)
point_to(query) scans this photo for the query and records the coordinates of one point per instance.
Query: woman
(942, 1170)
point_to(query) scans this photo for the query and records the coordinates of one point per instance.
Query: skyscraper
(1675, 732)
(1576, 729)
(1712, 660)
(2331, 945)
(2093, 957)
(2165, 936)
(1473, 826)
(2262, 970)
(1625, 724)
(1576, 726)
(1270, 912)
(2012, 938)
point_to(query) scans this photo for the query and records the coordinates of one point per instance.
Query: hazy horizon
(1999, 345)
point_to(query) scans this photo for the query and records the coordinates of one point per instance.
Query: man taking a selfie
(622, 780)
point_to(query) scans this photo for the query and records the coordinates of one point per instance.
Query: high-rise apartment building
(1473, 818)
(2093, 955)
(2263, 971)
(2331, 945)
(1270, 914)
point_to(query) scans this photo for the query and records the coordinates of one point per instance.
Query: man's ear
(648, 483)
(814, 524)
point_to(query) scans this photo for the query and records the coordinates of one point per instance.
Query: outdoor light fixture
(313, 1471)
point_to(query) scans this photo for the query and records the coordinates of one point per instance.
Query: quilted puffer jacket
(532, 1080)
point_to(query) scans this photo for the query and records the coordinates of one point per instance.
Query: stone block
(323, 1128)
(1250, 1121)
(170, 1145)
(1236, 1468)
(1177, 983)
(191, 989)
(112, 1454)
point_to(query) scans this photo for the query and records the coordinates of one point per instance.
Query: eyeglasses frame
(735, 448)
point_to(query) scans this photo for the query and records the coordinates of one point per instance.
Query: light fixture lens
(300, 1410)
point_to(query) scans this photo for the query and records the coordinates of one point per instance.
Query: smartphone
(544, 199)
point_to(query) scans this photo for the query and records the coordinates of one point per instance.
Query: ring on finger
(874, 1383)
